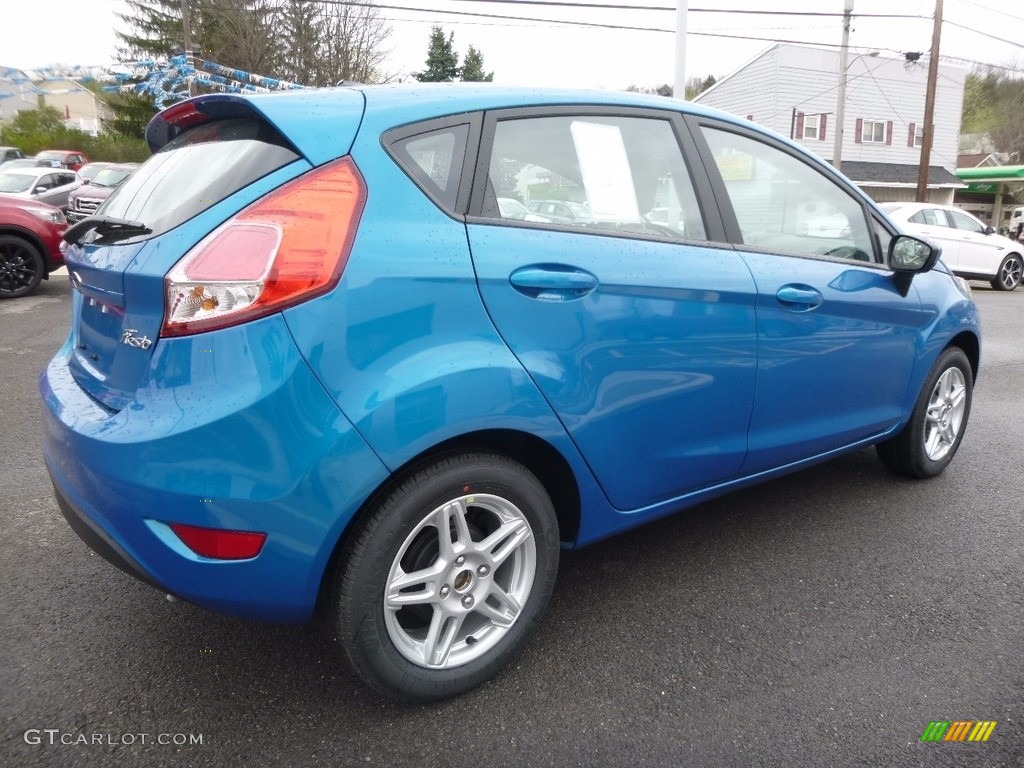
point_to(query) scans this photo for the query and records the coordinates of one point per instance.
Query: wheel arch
(971, 347)
(536, 454)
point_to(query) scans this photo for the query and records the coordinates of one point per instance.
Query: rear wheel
(1009, 275)
(21, 267)
(446, 577)
(930, 439)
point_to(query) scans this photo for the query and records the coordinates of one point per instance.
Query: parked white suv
(969, 248)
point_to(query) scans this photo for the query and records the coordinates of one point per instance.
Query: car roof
(397, 104)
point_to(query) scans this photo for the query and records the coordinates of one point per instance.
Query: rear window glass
(197, 170)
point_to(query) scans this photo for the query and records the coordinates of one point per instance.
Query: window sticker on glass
(605, 171)
(735, 166)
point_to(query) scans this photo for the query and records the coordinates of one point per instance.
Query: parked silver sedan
(44, 185)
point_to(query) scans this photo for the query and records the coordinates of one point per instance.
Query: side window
(595, 173)
(435, 161)
(783, 204)
(966, 223)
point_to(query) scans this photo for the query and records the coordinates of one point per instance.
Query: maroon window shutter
(858, 132)
(799, 125)
(911, 134)
(888, 133)
(822, 120)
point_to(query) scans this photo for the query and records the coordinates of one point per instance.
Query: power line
(629, 28)
(993, 10)
(984, 34)
(672, 8)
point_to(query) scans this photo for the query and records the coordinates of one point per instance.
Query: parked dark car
(71, 159)
(30, 239)
(313, 367)
(84, 201)
(10, 153)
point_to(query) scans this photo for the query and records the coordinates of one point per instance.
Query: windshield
(50, 156)
(110, 177)
(15, 182)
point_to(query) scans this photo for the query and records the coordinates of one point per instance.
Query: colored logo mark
(958, 730)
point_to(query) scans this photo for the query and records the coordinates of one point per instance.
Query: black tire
(391, 648)
(21, 267)
(1009, 274)
(931, 438)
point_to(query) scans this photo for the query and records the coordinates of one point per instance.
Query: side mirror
(909, 256)
(38, 190)
(990, 230)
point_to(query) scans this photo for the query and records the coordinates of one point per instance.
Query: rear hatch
(214, 155)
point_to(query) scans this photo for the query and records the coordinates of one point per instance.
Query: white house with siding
(793, 90)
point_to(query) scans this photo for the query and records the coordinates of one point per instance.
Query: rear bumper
(264, 450)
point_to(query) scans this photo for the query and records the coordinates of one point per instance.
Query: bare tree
(242, 34)
(354, 45)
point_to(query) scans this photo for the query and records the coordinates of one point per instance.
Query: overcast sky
(42, 32)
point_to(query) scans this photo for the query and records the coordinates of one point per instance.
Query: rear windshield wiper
(109, 229)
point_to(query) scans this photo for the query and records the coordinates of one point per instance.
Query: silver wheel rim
(1010, 274)
(471, 564)
(945, 413)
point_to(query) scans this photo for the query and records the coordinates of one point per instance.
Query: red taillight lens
(219, 544)
(286, 248)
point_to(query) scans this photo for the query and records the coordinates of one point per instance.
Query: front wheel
(1009, 274)
(930, 439)
(446, 577)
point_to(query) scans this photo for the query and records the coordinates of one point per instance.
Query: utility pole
(844, 52)
(679, 88)
(929, 107)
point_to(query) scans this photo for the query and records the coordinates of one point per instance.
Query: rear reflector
(220, 544)
(284, 249)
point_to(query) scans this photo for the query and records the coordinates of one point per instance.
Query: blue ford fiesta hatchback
(311, 366)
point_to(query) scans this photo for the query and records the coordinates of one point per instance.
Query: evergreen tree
(154, 28)
(473, 67)
(301, 27)
(442, 60)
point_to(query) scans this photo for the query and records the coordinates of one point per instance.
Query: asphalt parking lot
(823, 619)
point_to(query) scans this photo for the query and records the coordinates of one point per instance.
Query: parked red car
(62, 158)
(30, 235)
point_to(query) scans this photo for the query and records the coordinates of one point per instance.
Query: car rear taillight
(285, 248)
(219, 544)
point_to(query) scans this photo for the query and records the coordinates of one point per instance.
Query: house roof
(975, 160)
(896, 174)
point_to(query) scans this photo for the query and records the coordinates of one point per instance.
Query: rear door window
(197, 170)
(595, 173)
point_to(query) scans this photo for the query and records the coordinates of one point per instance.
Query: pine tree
(442, 60)
(473, 67)
(154, 28)
(301, 26)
